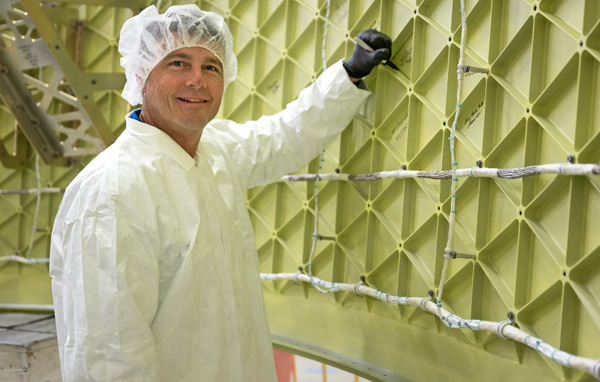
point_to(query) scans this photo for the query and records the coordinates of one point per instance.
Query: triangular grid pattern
(510, 118)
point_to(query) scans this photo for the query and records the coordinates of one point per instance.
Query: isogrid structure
(526, 146)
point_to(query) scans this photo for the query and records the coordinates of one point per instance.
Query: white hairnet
(149, 37)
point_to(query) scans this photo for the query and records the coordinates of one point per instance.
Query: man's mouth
(192, 100)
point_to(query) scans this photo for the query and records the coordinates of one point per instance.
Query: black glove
(362, 61)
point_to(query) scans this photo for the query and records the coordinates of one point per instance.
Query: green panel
(535, 239)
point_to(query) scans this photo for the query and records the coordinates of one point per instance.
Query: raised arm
(266, 149)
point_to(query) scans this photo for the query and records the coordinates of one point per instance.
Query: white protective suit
(154, 265)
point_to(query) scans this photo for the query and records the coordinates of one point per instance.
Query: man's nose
(196, 78)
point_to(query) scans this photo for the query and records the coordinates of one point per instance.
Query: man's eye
(177, 63)
(212, 68)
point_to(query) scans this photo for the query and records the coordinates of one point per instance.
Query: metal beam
(56, 110)
(341, 361)
(34, 123)
(78, 80)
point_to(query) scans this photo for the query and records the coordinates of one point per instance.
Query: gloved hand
(362, 61)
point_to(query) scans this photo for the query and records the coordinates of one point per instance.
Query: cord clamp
(510, 321)
(450, 254)
(317, 236)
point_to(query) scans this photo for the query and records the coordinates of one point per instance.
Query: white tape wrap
(478, 172)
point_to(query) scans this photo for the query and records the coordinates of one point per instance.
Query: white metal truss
(61, 111)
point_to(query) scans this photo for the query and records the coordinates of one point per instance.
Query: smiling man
(154, 266)
(183, 94)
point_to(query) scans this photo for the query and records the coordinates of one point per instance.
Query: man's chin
(192, 123)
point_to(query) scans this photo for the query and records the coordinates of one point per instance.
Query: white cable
(37, 206)
(45, 190)
(568, 169)
(315, 236)
(475, 172)
(452, 217)
(23, 260)
(325, 35)
(454, 321)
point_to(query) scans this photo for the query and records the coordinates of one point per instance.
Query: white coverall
(153, 260)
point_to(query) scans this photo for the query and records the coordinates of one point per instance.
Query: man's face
(184, 91)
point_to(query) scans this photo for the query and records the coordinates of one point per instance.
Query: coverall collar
(160, 140)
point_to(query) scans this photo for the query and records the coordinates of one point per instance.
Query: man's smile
(192, 100)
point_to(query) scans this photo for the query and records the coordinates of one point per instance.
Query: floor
(308, 370)
(28, 350)
(34, 335)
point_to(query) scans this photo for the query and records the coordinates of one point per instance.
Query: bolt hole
(400, 245)
(415, 11)
(410, 89)
(580, 43)
(372, 133)
(535, 8)
(369, 205)
(520, 212)
(564, 273)
(450, 38)
(439, 208)
(528, 110)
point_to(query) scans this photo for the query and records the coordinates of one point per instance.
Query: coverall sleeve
(105, 285)
(265, 150)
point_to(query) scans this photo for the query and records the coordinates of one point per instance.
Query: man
(153, 260)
